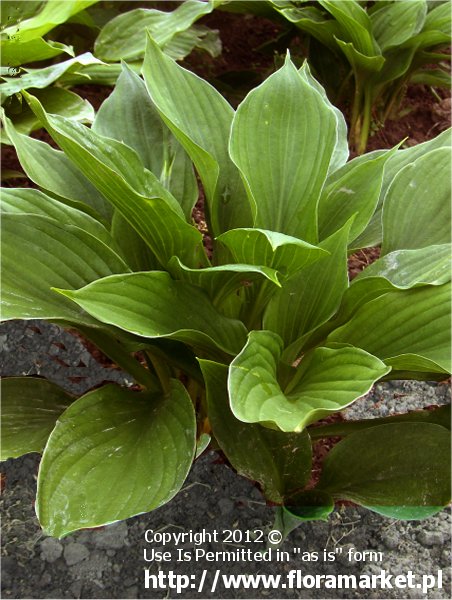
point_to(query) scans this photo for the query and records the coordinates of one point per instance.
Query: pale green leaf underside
(52, 254)
(279, 462)
(115, 454)
(275, 144)
(401, 468)
(409, 268)
(415, 321)
(153, 305)
(30, 407)
(329, 380)
(282, 252)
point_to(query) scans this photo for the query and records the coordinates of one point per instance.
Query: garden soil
(109, 562)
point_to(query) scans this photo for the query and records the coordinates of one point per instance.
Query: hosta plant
(382, 45)
(248, 346)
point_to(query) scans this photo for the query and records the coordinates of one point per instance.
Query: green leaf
(138, 303)
(327, 380)
(362, 64)
(283, 162)
(132, 247)
(352, 190)
(416, 213)
(278, 251)
(31, 201)
(222, 281)
(373, 233)
(15, 52)
(54, 172)
(42, 78)
(148, 136)
(439, 415)
(312, 296)
(355, 24)
(401, 470)
(279, 462)
(410, 268)
(200, 118)
(114, 454)
(397, 22)
(30, 407)
(52, 254)
(310, 505)
(196, 36)
(117, 172)
(124, 37)
(56, 101)
(400, 322)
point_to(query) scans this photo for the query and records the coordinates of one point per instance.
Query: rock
(430, 538)
(51, 550)
(75, 553)
(111, 537)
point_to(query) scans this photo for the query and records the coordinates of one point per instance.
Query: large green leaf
(409, 268)
(222, 281)
(402, 322)
(30, 407)
(15, 52)
(311, 296)
(54, 172)
(282, 252)
(124, 37)
(326, 381)
(200, 118)
(114, 454)
(117, 172)
(396, 22)
(280, 462)
(373, 233)
(355, 24)
(416, 213)
(31, 201)
(352, 190)
(52, 254)
(148, 136)
(283, 162)
(139, 303)
(400, 470)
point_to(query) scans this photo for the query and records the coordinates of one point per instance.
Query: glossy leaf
(420, 316)
(401, 470)
(313, 295)
(280, 462)
(396, 22)
(16, 53)
(416, 213)
(282, 161)
(146, 442)
(200, 118)
(282, 252)
(30, 407)
(52, 254)
(326, 381)
(138, 303)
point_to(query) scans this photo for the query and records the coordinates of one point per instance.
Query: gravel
(109, 562)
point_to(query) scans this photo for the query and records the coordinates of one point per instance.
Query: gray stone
(111, 537)
(75, 553)
(430, 538)
(51, 550)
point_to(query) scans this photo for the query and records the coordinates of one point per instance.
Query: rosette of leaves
(382, 45)
(248, 346)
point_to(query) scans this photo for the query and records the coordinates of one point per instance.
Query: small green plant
(248, 346)
(383, 46)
